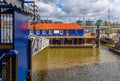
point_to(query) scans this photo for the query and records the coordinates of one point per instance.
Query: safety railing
(38, 44)
(10, 66)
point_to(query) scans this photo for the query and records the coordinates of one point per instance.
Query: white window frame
(31, 32)
(44, 31)
(76, 31)
(61, 31)
(50, 31)
(37, 31)
(56, 31)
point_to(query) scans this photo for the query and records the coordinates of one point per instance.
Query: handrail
(2, 56)
(9, 71)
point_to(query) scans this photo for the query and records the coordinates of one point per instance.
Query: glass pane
(6, 28)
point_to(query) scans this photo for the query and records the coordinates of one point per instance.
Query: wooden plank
(71, 45)
(6, 46)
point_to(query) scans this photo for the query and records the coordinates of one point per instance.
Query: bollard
(29, 75)
(12, 59)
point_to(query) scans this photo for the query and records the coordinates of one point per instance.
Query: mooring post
(12, 59)
(98, 36)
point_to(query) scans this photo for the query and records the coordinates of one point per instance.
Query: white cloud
(77, 9)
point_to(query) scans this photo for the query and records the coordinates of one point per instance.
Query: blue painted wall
(78, 33)
(71, 33)
(21, 43)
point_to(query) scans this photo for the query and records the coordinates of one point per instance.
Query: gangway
(38, 44)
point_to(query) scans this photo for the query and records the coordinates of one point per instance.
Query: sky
(72, 10)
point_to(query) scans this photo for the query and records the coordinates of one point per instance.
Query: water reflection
(76, 64)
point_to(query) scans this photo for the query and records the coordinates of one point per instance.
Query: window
(31, 32)
(76, 31)
(61, 31)
(37, 31)
(6, 28)
(56, 31)
(50, 31)
(44, 31)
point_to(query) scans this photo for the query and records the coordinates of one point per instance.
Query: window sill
(6, 46)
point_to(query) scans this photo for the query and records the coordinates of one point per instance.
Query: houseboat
(63, 34)
(15, 56)
(116, 48)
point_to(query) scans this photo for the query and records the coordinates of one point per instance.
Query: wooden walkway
(72, 45)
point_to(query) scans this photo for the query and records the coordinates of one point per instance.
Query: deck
(69, 37)
(72, 45)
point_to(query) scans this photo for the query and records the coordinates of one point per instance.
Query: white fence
(38, 44)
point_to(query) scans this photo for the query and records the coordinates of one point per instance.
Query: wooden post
(72, 41)
(84, 41)
(98, 36)
(61, 41)
(51, 41)
(77, 41)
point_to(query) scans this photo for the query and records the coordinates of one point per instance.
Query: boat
(107, 41)
(116, 49)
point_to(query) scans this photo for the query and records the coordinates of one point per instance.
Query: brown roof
(56, 26)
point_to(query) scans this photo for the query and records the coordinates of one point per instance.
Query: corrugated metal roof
(14, 3)
(56, 26)
(18, 4)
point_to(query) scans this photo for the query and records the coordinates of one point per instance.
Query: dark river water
(76, 64)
